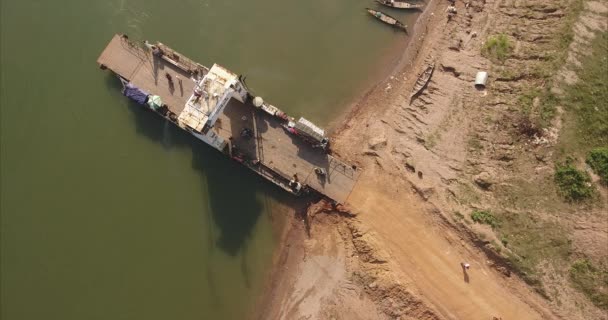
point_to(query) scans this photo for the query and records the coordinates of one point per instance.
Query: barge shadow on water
(214, 105)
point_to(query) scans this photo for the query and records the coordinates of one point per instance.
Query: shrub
(574, 184)
(597, 159)
(484, 217)
(504, 240)
(497, 47)
(591, 281)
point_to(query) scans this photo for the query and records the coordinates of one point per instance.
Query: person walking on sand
(465, 266)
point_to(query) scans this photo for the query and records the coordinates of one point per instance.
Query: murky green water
(110, 213)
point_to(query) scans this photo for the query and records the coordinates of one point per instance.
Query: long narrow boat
(386, 19)
(399, 4)
(422, 81)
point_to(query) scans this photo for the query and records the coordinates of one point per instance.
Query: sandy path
(431, 255)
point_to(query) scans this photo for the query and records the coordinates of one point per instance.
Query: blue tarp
(135, 94)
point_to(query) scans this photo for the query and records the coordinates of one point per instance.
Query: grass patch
(474, 143)
(497, 47)
(467, 193)
(555, 54)
(431, 141)
(526, 99)
(531, 242)
(574, 184)
(597, 159)
(591, 281)
(485, 217)
(523, 194)
(566, 33)
(504, 241)
(548, 107)
(458, 215)
(586, 99)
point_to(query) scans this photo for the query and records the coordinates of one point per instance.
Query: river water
(110, 213)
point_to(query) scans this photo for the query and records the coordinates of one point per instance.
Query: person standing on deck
(170, 80)
(181, 87)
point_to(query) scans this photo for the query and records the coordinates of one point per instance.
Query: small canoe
(386, 19)
(423, 80)
(400, 4)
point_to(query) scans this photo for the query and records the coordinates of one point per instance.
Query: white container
(480, 80)
(270, 109)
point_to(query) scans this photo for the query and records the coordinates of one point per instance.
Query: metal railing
(181, 61)
(134, 48)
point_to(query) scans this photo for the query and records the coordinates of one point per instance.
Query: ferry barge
(215, 106)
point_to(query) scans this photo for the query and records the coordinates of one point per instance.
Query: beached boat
(400, 4)
(386, 19)
(423, 80)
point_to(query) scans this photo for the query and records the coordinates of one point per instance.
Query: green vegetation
(497, 48)
(586, 99)
(565, 34)
(591, 281)
(459, 216)
(496, 246)
(526, 99)
(547, 105)
(574, 184)
(485, 217)
(532, 241)
(554, 55)
(504, 241)
(474, 143)
(597, 159)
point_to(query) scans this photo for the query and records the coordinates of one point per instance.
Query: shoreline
(404, 63)
(278, 269)
(284, 267)
(399, 254)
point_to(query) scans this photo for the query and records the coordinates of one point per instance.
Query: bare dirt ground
(313, 282)
(396, 254)
(430, 253)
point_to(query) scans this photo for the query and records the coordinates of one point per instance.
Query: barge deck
(210, 103)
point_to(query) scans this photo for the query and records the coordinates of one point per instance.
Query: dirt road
(431, 255)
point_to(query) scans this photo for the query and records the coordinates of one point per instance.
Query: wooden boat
(399, 4)
(387, 19)
(423, 80)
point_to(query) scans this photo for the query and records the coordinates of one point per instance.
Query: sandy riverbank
(309, 265)
(289, 261)
(397, 254)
